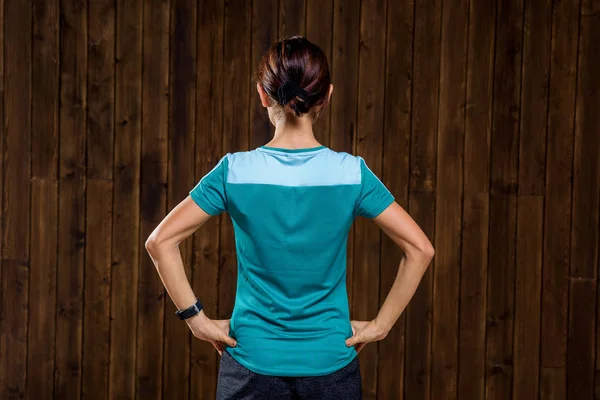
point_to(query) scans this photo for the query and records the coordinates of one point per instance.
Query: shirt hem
(278, 372)
(382, 206)
(203, 205)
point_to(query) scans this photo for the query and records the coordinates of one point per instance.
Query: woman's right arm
(418, 252)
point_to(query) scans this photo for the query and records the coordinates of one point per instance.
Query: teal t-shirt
(291, 212)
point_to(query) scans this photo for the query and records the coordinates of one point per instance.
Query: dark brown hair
(295, 73)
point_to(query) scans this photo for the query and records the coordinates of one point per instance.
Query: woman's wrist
(197, 319)
(383, 326)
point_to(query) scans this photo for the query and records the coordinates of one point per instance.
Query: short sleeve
(374, 197)
(209, 192)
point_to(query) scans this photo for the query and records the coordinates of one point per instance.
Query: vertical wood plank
(96, 323)
(101, 87)
(16, 201)
(534, 97)
(153, 206)
(125, 249)
(99, 142)
(264, 33)
(530, 210)
(292, 17)
(396, 151)
(506, 102)
(474, 261)
(209, 117)
(449, 189)
(590, 12)
(236, 73)
(44, 199)
(371, 57)
(344, 77)
(319, 30)
(503, 201)
(553, 383)
(528, 282)
(426, 76)
(557, 211)
(2, 146)
(426, 69)
(182, 106)
(582, 354)
(586, 167)
(417, 375)
(582, 338)
(72, 199)
(473, 289)
(44, 100)
(40, 343)
(500, 296)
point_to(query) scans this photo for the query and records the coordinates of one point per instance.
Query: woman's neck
(294, 134)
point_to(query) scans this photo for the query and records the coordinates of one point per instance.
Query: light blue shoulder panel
(263, 166)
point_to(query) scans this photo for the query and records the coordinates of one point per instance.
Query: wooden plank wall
(482, 118)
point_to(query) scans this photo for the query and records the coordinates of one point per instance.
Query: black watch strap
(190, 311)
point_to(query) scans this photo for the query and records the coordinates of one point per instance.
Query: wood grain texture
(42, 285)
(503, 200)
(236, 74)
(99, 199)
(474, 257)
(500, 296)
(44, 199)
(209, 112)
(534, 97)
(396, 151)
(97, 283)
(371, 57)
(582, 339)
(417, 374)
(71, 200)
(426, 73)
(16, 209)
(344, 68)
(449, 189)
(264, 33)
(319, 30)
(553, 383)
(182, 134)
(153, 195)
(557, 211)
(531, 187)
(292, 17)
(45, 85)
(126, 208)
(586, 180)
(528, 282)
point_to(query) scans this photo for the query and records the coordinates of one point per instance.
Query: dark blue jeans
(237, 382)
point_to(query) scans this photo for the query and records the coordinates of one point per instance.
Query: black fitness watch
(190, 311)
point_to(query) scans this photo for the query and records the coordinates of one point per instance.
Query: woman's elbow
(427, 250)
(152, 245)
(423, 253)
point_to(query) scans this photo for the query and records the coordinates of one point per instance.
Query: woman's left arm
(163, 247)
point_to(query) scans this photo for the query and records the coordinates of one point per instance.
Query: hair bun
(295, 97)
(290, 89)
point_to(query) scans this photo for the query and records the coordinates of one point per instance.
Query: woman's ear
(264, 97)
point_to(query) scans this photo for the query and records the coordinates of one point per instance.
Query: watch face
(189, 312)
